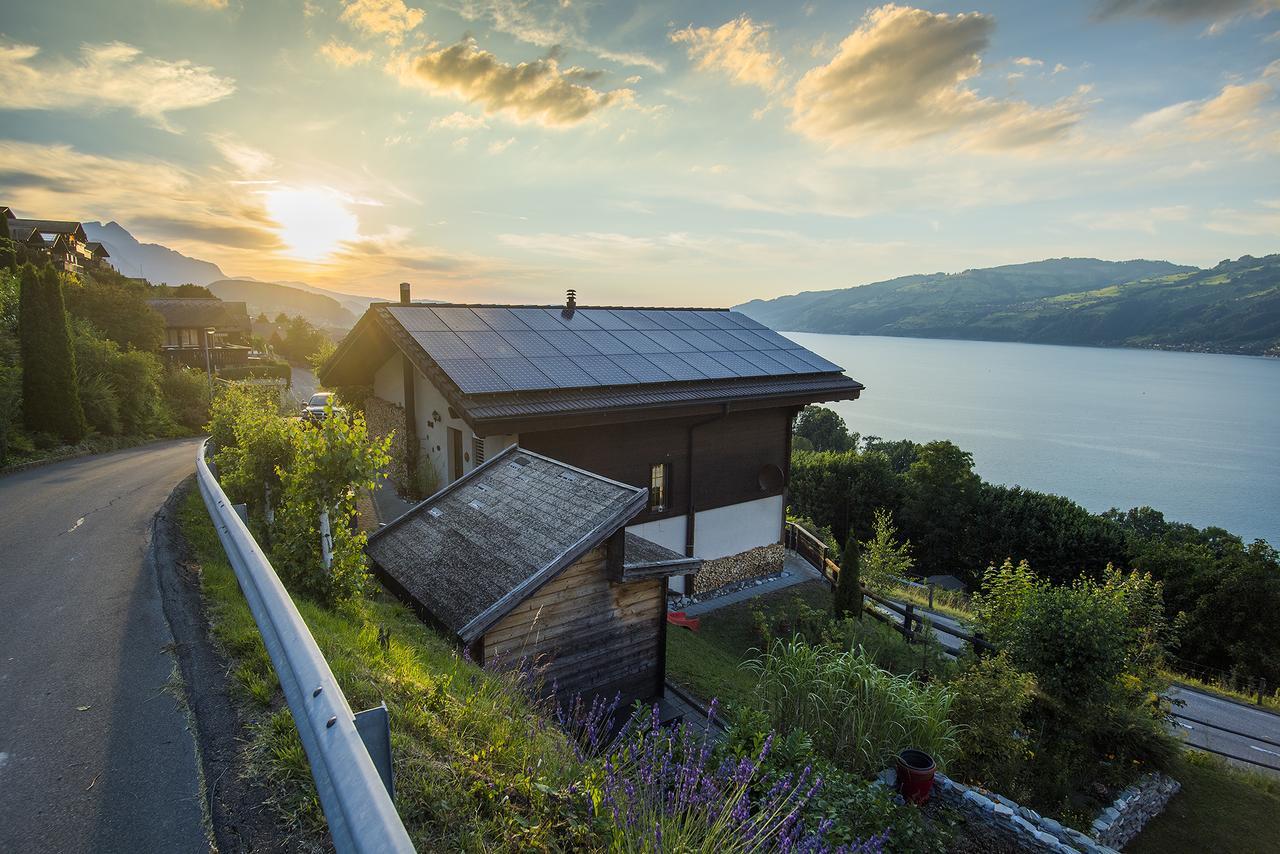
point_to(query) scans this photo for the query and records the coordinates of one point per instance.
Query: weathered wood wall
(599, 636)
(728, 455)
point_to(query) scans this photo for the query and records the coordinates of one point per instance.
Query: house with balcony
(693, 406)
(63, 242)
(194, 326)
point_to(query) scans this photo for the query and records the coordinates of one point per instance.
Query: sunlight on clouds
(739, 49)
(314, 221)
(111, 75)
(391, 19)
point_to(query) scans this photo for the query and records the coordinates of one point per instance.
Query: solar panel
(529, 343)
(677, 366)
(499, 349)
(460, 319)
(564, 373)
(605, 342)
(639, 342)
(569, 343)
(520, 373)
(444, 345)
(417, 319)
(604, 371)
(473, 376)
(641, 369)
(488, 345)
(499, 318)
(536, 318)
(578, 320)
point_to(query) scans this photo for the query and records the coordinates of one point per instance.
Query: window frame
(659, 487)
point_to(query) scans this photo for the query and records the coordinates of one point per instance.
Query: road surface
(95, 750)
(1256, 737)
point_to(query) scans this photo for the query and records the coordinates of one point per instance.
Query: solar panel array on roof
(493, 350)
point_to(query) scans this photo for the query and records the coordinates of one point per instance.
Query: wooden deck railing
(814, 551)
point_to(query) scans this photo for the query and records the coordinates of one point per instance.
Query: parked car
(313, 409)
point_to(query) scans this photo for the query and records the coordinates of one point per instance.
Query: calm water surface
(1193, 435)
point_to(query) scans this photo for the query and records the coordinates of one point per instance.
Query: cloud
(390, 19)
(458, 121)
(213, 5)
(1145, 220)
(537, 91)
(548, 27)
(1028, 61)
(112, 75)
(248, 161)
(1239, 112)
(739, 49)
(1185, 10)
(344, 55)
(501, 145)
(901, 76)
(1261, 221)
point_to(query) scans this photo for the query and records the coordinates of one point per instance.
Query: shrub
(279, 371)
(331, 461)
(249, 469)
(885, 559)
(858, 715)
(51, 399)
(186, 397)
(847, 598)
(991, 698)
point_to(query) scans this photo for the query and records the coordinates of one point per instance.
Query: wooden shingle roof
(476, 549)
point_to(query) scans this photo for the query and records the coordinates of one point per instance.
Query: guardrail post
(907, 622)
(930, 595)
(374, 727)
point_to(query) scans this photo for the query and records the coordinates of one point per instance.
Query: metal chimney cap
(570, 303)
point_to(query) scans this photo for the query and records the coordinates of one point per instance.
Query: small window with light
(658, 484)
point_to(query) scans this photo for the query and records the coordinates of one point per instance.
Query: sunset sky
(662, 152)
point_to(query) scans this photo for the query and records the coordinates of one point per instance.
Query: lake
(1196, 436)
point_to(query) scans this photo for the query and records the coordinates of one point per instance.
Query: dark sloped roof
(476, 549)
(640, 554)
(508, 362)
(200, 313)
(51, 226)
(97, 248)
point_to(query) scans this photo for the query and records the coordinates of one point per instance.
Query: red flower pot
(915, 770)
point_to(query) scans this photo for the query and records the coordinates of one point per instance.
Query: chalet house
(694, 406)
(187, 325)
(63, 242)
(525, 559)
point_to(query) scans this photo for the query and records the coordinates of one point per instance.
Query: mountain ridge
(1233, 307)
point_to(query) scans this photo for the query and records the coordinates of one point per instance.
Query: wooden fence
(912, 624)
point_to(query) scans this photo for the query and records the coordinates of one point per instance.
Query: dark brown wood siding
(728, 455)
(596, 636)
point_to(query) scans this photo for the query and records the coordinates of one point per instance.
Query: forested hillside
(1233, 307)
(272, 299)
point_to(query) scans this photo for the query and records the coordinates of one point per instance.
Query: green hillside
(1234, 307)
(273, 298)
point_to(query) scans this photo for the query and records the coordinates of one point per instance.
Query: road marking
(78, 523)
(1263, 750)
(1188, 726)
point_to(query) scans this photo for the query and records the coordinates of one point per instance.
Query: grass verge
(476, 768)
(1220, 808)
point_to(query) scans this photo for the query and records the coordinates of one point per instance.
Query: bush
(186, 397)
(858, 715)
(991, 698)
(119, 389)
(278, 371)
(886, 559)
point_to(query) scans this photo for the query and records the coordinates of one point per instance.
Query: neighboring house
(524, 560)
(64, 242)
(693, 406)
(186, 325)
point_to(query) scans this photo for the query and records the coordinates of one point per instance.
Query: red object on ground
(915, 770)
(678, 618)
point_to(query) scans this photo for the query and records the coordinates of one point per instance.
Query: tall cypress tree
(8, 255)
(847, 598)
(50, 395)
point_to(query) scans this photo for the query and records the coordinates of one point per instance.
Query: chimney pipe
(404, 293)
(570, 303)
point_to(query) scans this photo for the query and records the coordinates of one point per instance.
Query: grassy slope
(1218, 809)
(475, 768)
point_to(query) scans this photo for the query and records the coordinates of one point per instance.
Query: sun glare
(313, 220)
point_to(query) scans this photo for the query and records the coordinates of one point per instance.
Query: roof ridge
(578, 307)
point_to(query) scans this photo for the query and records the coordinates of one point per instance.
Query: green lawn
(1218, 809)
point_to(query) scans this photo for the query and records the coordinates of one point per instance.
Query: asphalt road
(1256, 737)
(95, 752)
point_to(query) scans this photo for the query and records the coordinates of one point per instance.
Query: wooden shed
(525, 558)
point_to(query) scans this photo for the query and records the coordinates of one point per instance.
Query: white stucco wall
(731, 530)
(433, 440)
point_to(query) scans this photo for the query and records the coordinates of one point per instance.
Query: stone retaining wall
(754, 563)
(383, 417)
(1128, 814)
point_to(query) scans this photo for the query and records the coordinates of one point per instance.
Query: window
(658, 478)
(477, 449)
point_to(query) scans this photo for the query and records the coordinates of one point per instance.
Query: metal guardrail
(356, 801)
